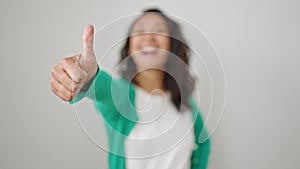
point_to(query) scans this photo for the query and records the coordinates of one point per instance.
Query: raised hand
(73, 72)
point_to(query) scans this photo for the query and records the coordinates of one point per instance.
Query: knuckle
(65, 61)
(52, 83)
(53, 71)
(76, 57)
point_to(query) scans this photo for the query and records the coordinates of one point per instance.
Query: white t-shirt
(163, 137)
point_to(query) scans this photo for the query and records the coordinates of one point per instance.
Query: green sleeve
(113, 98)
(100, 92)
(200, 156)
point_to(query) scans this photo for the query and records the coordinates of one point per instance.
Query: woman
(155, 58)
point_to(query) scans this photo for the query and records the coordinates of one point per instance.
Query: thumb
(87, 60)
(87, 56)
(88, 37)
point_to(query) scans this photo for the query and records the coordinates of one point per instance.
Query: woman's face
(149, 43)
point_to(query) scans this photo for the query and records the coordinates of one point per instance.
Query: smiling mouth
(149, 51)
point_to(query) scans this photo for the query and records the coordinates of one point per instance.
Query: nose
(149, 36)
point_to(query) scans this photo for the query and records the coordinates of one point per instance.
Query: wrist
(88, 82)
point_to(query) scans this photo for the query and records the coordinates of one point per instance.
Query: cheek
(166, 43)
(133, 43)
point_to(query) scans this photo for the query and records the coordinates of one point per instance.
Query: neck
(151, 80)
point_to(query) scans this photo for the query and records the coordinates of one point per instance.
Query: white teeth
(149, 50)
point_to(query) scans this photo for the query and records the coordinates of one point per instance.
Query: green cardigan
(115, 100)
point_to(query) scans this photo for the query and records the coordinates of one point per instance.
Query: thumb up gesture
(73, 72)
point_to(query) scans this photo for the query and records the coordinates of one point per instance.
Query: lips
(149, 51)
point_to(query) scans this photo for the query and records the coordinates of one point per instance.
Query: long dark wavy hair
(177, 79)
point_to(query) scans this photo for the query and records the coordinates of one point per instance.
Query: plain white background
(258, 42)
